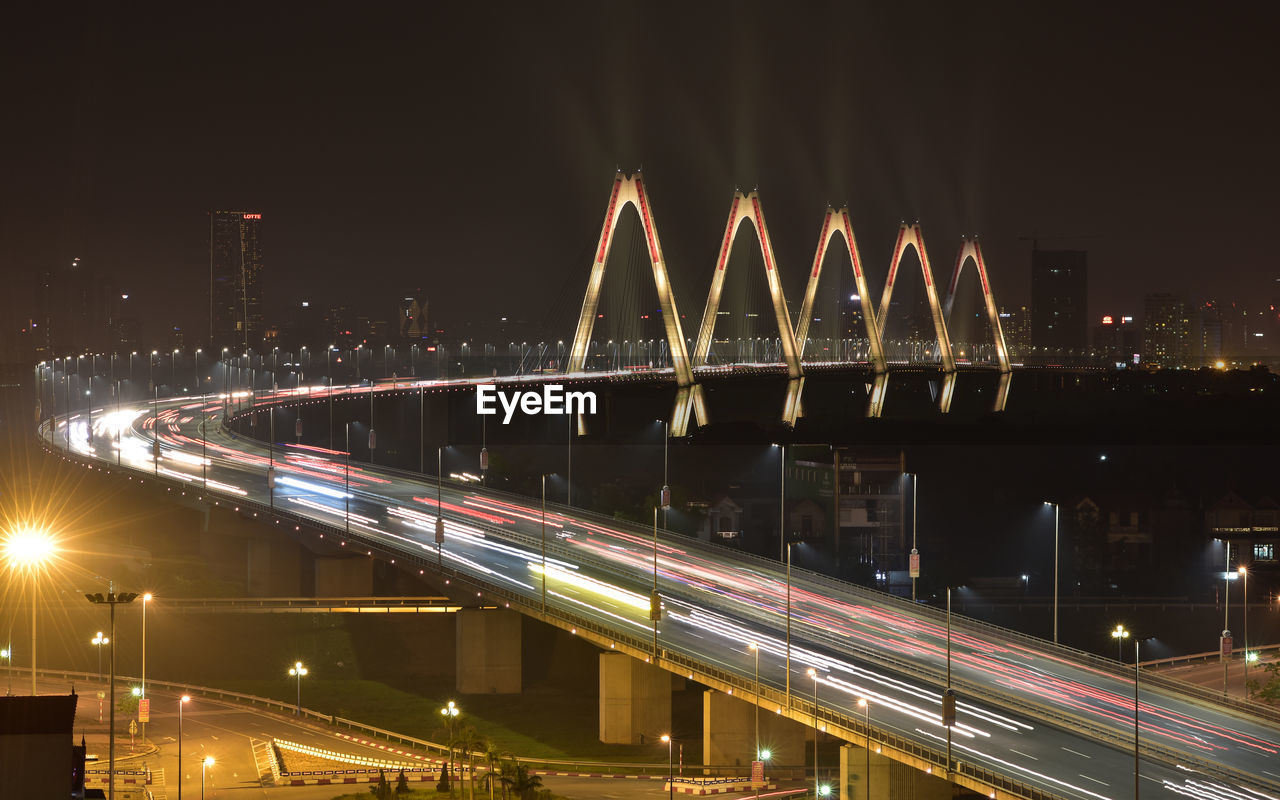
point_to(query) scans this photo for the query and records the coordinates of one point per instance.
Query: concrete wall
(729, 732)
(344, 577)
(635, 700)
(488, 651)
(889, 779)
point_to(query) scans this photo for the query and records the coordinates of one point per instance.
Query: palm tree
(494, 758)
(525, 784)
(468, 741)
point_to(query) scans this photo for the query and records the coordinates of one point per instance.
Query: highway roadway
(228, 733)
(717, 603)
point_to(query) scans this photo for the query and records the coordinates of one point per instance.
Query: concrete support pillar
(488, 651)
(635, 700)
(888, 778)
(729, 733)
(344, 577)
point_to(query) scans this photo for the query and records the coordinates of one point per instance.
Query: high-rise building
(1016, 325)
(235, 279)
(1059, 301)
(1117, 340)
(1166, 330)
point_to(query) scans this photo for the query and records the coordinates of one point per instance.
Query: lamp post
(914, 565)
(181, 701)
(1137, 645)
(1120, 634)
(204, 765)
(782, 503)
(146, 598)
(450, 713)
(7, 655)
(297, 670)
(544, 543)
(29, 550)
(813, 673)
(111, 599)
(865, 705)
(99, 640)
(1055, 569)
(440, 517)
(671, 783)
(1225, 646)
(1244, 603)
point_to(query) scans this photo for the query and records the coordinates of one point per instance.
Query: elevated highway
(1034, 720)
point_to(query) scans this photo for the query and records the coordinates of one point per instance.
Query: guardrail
(1211, 655)
(728, 677)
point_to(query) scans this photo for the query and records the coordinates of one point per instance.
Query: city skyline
(961, 145)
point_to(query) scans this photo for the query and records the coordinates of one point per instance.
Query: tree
(525, 785)
(494, 760)
(382, 789)
(443, 785)
(402, 784)
(468, 741)
(1269, 691)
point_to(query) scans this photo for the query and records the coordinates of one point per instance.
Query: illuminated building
(235, 279)
(1166, 330)
(1117, 340)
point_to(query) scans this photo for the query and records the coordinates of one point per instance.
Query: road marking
(1269, 772)
(1082, 755)
(1095, 780)
(1019, 752)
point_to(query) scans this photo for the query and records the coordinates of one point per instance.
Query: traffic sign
(757, 774)
(914, 566)
(144, 710)
(133, 727)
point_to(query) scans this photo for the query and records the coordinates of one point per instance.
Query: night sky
(469, 148)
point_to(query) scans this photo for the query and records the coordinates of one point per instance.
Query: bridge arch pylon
(970, 250)
(628, 189)
(836, 223)
(910, 236)
(746, 208)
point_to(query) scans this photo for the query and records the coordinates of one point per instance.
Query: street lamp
(99, 640)
(671, 781)
(298, 671)
(29, 550)
(111, 599)
(1120, 634)
(7, 655)
(1055, 569)
(1137, 663)
(913, 566)
(142, 698)
(204, 765)
(817, 789)
(1244, 580)
(450, 713)
(181, 701)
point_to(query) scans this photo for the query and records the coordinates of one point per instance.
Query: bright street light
(1120, 634)
(298, 671)
(204, 765)
(29, 550)
(671, 784)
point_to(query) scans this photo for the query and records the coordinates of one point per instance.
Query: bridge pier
(635, 700)
(889, 779)
(488, 651)
(729, 733)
